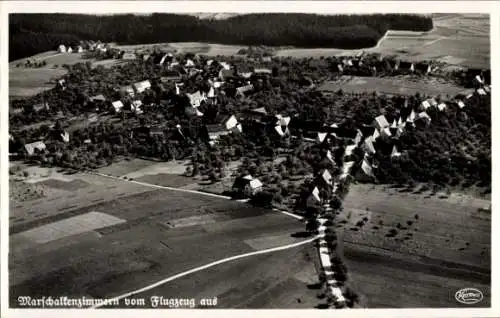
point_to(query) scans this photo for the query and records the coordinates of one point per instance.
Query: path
(200, 268)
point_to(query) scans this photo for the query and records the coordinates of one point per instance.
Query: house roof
(395, 152)
(315, 194)
(366, 168)
(260, 110)
(243, 89)
(426, 104)
(142, 85)
(98, 97)
(280, 131)
(262, 71)
(442, 106)
(368, 146)
(255, 183)
(321, 136)
(349, 150)
(283, 120)
(381, 121)
(215, 128)
(327, 176)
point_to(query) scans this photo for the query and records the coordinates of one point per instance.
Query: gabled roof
(280, 130)
(315, 194)
(196, 98)
(375, 135)
(255, 184)
(381, 121)
(349, 150)
(244, 89)
(283, 120)
(141, 86)
(327, 176)
(262, 71)
(442, 106)
(329, 156)
(117, 105)
(395, 152)
(426, 104)
(321, 136)
(30, 148)
(366, 168)
(481, 91)
(260, 110)
(368, 146)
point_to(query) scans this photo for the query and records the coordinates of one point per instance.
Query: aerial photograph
(249, 161)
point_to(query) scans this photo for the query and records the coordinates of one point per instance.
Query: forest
(30, 34)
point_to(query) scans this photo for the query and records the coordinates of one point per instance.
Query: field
(445, 249)
(404, 85)
(105, 237)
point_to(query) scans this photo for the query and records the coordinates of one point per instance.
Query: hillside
(34, 33)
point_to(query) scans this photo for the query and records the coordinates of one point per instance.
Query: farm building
(247, 185)
(230, 122)
(380, 122)
(142, 86)
(31, 148)
(225, 65)
(117, 106)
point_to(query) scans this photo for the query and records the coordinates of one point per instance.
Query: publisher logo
(469, 296)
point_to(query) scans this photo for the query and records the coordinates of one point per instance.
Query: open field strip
(200, 268)
(298, 217)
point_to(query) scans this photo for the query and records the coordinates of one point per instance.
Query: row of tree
(34, 33)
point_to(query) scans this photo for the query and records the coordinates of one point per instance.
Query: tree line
(34, 33)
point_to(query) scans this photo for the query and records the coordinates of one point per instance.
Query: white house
(247, 185)
(314, 198)
(142, 86)
(61, 48)
(329, 156)
(385, 133)
(283, 120)
(196, 98)
(366, 170)
(479, 79)
(70, 50)
(326, 176)
(129, 56)
(359, 136)
(80, 49)
(282, 132)
(442, 107)
(426, 104)
(260, 71)
(230, 122)
(349, 150)
(129, 90)
(225, 65)
(37, 145)
(117, 105)
(135, 106)
(380, 122)
(190, 63)
(98, 98)
(368, 146)
(423, 116)
(460, 103)
(375, 135)
(395, 152)
(321, 137)
(65, 137)
(242, 90)
(481, 91)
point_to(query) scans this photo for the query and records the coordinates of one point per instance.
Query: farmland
(147, 236)
(392, 85)
(443, 250)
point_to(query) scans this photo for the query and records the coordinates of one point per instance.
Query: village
(297, 148)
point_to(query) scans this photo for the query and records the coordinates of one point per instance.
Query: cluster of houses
(83, 46)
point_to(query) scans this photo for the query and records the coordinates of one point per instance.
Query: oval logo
(469, 296)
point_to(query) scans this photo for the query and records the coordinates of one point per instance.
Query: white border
(322, 7)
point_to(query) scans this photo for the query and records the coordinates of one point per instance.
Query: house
(70, 50)
(230, 122)
(262, 71)
(329, 156)
(349, 150)
(61, 84)
(225, 74)
(196, 98)
(325, 178)
(168, 58)
(98, 98)
(247, 185)
(395, 152)
(479, 79)
(365, 172)
(368, 146)
(412, 117)
(266, 59)
(481, 91)
(424, 118)
(189, 63)
(217, 84)
(340, 68)
(117, 105)
(433, 102)
(80, 49)
(385, 133)
(380, 122)
(321, 137)
(211, 93)
(171, 77)
(178, 88)
(281, 131)
(142, 86)
(442, 107)
(257, 114)
(129, 56)
(61, 48)
(244, 90)
(282, 120)
(216, 131)
(39, 107)
(193, 111)
(35, 146)
(135, 106)
(314, 198)
(65, 136)
(425, 104)
(128, 90)
(375, 135)
(225, 65)
(346, 169)
(358, 137)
